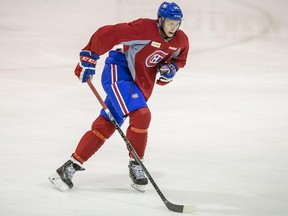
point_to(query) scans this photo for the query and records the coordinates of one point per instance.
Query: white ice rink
(219, 131)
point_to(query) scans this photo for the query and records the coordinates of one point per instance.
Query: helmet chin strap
(161, 30)
(163, 34)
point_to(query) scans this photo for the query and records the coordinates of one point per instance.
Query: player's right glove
(167, 73)
(85, 69)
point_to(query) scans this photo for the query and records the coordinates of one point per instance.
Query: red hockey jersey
(144, 48)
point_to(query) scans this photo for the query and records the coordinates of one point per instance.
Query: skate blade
(140, 188)
(58, 183)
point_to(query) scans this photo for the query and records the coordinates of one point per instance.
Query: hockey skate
(62, 179)
(137, 176)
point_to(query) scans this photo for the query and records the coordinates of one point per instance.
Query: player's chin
(170, 34)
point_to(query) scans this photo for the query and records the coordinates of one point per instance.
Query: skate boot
(137, 176)
(62, 179)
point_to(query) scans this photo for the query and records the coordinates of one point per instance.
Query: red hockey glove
(85, 69)
(162, 81)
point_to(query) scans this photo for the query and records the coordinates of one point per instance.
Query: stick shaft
(170, 206)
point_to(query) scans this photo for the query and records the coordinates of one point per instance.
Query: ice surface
(219, 132)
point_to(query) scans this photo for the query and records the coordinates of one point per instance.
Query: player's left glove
(167, 73)
(85, 69)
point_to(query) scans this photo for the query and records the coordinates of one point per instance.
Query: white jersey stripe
(116, 91)
(119, 98)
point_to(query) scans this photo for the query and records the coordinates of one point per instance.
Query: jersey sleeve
(180, 58)
(106, 37)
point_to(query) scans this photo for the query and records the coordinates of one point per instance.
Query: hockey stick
(169, 205)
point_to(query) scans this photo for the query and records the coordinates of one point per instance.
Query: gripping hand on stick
(167, 73)
(85, 69)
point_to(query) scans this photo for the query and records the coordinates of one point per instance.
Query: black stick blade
(180, 208)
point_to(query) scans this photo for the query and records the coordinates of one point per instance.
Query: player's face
(170, 26)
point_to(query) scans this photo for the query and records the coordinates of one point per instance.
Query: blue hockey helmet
(170, 10)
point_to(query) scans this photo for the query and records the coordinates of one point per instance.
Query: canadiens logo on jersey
(155, 58)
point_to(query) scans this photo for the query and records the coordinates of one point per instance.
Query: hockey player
(128, 77)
